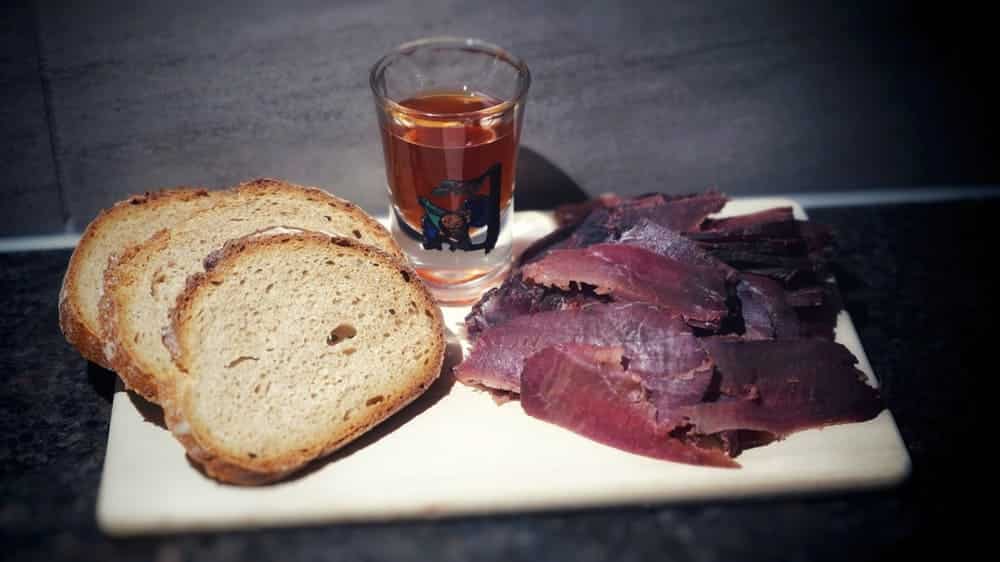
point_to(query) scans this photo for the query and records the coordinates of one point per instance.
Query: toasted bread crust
(230, 471)
(237, 469)
(81, 335)
(78, 334)
(382, 237)
(112, 306)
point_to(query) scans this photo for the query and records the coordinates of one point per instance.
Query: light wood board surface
(455, 452)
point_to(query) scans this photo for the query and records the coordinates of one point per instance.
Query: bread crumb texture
(294, 345)
(146, 283)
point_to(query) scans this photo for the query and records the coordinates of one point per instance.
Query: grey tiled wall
(104, 98)
(31, 201)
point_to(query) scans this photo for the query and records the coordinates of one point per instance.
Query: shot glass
(450, 112)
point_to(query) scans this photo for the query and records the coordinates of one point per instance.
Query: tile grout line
(807, 200)
(46, 86)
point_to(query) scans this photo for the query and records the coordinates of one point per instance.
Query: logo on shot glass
(478, 207)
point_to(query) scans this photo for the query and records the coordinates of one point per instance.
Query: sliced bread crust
(369, 329)
(130, 221)
(365, 229)
(142, 285)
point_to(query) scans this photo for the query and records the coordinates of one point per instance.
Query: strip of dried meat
(606, 218)
(815, 236)
(594, 229)
(820, 321)
(679, 213)
(643, 221)
(654, 342)
(782, 386)
(792, 252)
(765, 309)
(517, 297)
(572, 213)
(776, 214)
(585, 389)
(633, 274)
(668, 243)
(807, 297)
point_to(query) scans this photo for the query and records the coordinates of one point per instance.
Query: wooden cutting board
(455, 451)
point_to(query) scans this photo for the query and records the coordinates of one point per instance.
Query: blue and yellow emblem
(478, 207)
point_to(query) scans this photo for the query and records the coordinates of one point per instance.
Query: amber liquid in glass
(422, 151)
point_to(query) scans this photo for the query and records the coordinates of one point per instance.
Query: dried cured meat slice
(632, 274)
(586, 389)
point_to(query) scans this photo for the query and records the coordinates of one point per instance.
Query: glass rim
(458, 44)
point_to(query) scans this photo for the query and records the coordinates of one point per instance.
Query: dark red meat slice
(597, 227)
(776, 214)
(572, 213)
(820, 321)
(668, 243)
(756, 227)
(633, 274)
(653, 341)
(607, 217)
(782, 386)
(516, 297)
(679, 213)
(558, 238)
(594, 229)
(814, 235)
(807, 297)
(818, 237)
(586, 390)
(792, 252)
(765, 309)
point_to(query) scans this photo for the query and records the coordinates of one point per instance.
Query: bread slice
(128, 222)
(292, 345)
(142, 286)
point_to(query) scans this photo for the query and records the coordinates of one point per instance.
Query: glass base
(454, 276)
(449, 292)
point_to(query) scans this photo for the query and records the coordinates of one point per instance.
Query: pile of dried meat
(647, 326)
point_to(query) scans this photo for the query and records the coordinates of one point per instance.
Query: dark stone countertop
(914, 281)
